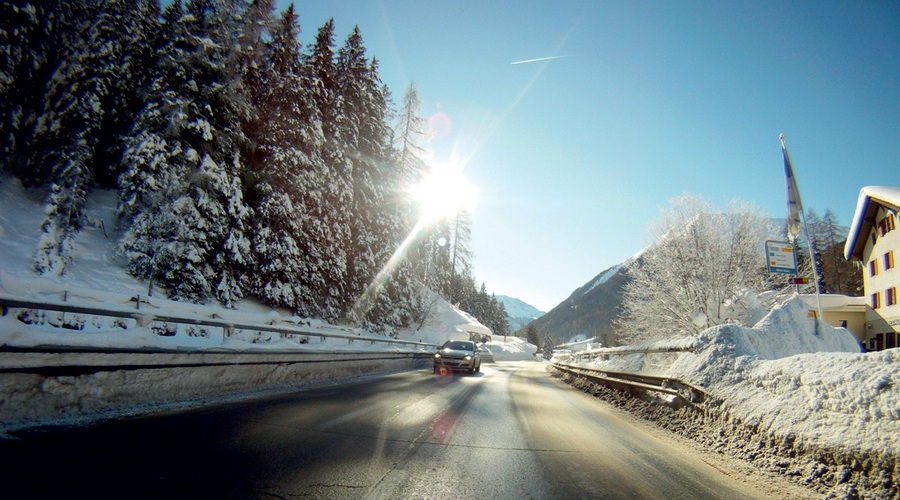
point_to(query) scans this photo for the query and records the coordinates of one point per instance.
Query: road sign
(798, 281)
(780, 257)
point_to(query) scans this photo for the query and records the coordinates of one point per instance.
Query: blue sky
(574, 157)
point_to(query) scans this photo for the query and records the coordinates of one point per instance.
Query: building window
(889, 260)
(876, 300)
(887, 224)
(890, 296)
(873, 268)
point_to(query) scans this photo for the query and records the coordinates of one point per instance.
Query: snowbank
(444, 322)
(513, 349)
(791, 395)
(792, 375)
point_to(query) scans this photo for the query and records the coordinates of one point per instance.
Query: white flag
(794, 205)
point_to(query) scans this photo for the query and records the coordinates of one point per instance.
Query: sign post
(780, 257)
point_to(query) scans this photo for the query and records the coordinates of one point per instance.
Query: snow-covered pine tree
(841, 275)
(375, 177)
(136, 26)
(410, 137)
(334, 193)
(76, 123)
(66, 132)
(836, 274)
(500, 324)
(185, 155)
(461, 253)
(291, 242)
(19, 22)
(30, 53)
(152, 151)
(440, 261)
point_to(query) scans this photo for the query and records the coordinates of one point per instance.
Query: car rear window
(459, 345)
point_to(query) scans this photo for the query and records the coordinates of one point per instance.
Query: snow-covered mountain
(519, 312)
(590, 310)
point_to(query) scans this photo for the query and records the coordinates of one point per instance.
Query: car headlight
(468, 357)
(437, 355)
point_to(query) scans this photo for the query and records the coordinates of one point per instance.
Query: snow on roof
(830, 301)
(882, 195)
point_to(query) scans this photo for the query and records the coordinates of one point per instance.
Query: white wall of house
(881, 279)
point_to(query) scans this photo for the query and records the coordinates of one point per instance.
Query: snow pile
(792, 375)
(512, 349)
(444, 322)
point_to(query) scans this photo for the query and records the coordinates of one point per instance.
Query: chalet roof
(870, 198)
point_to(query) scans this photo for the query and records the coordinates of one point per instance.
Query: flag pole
(796, 215)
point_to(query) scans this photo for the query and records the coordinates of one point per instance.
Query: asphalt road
(508, 432)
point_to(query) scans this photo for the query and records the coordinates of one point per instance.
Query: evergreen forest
(247, 163)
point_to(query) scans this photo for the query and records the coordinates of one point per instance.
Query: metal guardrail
(143, 318)
(607, 352)
(645, 381)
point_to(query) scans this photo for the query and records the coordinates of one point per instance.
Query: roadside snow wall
(38, 387)
(790, 395)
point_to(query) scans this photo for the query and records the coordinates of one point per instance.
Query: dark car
(457, 355)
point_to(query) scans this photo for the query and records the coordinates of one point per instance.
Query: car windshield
(459, 345)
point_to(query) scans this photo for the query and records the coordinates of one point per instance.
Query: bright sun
(444, 192)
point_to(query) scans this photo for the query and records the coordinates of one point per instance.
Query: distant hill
(519, 313)
(589, 311)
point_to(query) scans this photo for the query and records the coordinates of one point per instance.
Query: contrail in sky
(526, 61)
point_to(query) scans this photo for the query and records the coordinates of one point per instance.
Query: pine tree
(547, 349)
(152, 150)
(186, 155)
(532, 335)
(461, 253)
(80, 119)
(293, 243)
(836, 274)
(22, 23)
(130, 70)
(363, 128)
(411, 136)
(333, 194)
(36, 38)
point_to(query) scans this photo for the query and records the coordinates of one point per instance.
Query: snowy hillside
(590, 311)
(97, 278)
(603, 277)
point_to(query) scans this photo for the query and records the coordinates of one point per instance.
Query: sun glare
(444, 192)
